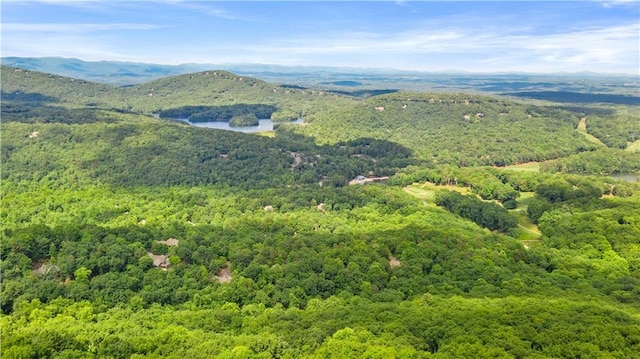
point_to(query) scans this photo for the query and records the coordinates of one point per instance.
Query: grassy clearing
(267, 134)
(463, 190)
(582, 128)
(435, 187)
(594, 139)
(426, 195)
(582, 125)
(527, 230)
(525, 167)
(633, 146)
(524, 199)
(525, 222)
(427, 191)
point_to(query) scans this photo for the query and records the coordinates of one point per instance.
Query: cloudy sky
(478, 36)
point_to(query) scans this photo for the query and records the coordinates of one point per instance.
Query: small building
(171, 242)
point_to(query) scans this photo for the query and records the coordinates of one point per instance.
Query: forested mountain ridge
(207, 88)
(462, 129)
(127, 236)
(32, 86)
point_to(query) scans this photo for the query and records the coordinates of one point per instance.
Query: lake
(264, 125)
(629, 177)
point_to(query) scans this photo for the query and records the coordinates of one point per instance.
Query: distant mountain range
(112, 72)
(129, 73)
(345, 80)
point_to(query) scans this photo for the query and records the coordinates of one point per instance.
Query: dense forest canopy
(387, 226)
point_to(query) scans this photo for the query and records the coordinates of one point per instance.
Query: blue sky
(478, 36)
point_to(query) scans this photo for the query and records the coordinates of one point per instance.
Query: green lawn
(418, 191)
(527, 230)
(427, 191)
(527, 167)
(267, 134)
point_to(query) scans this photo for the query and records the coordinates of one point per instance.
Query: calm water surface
(629, 177)
(264, 125)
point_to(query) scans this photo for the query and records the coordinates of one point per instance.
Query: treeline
(487, 183)
(364, 93)
(218, 113)
(338, 327)
(554, 192)
(603, 162)
(486, 214)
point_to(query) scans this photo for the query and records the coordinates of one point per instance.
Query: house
(171, 242)
(159, 260)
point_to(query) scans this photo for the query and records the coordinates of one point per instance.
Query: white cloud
(64, 45)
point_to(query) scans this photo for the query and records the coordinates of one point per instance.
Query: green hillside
(32, 86)
(129, 236)
(131, 150)
(208, 88)
(461, 129)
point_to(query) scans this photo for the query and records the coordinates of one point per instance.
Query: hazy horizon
(363, 70)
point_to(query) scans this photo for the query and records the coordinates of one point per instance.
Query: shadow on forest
(195, 156)
(28, 112)
(589, 111)
(29, 97)
(31, 107)
(364, 93)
